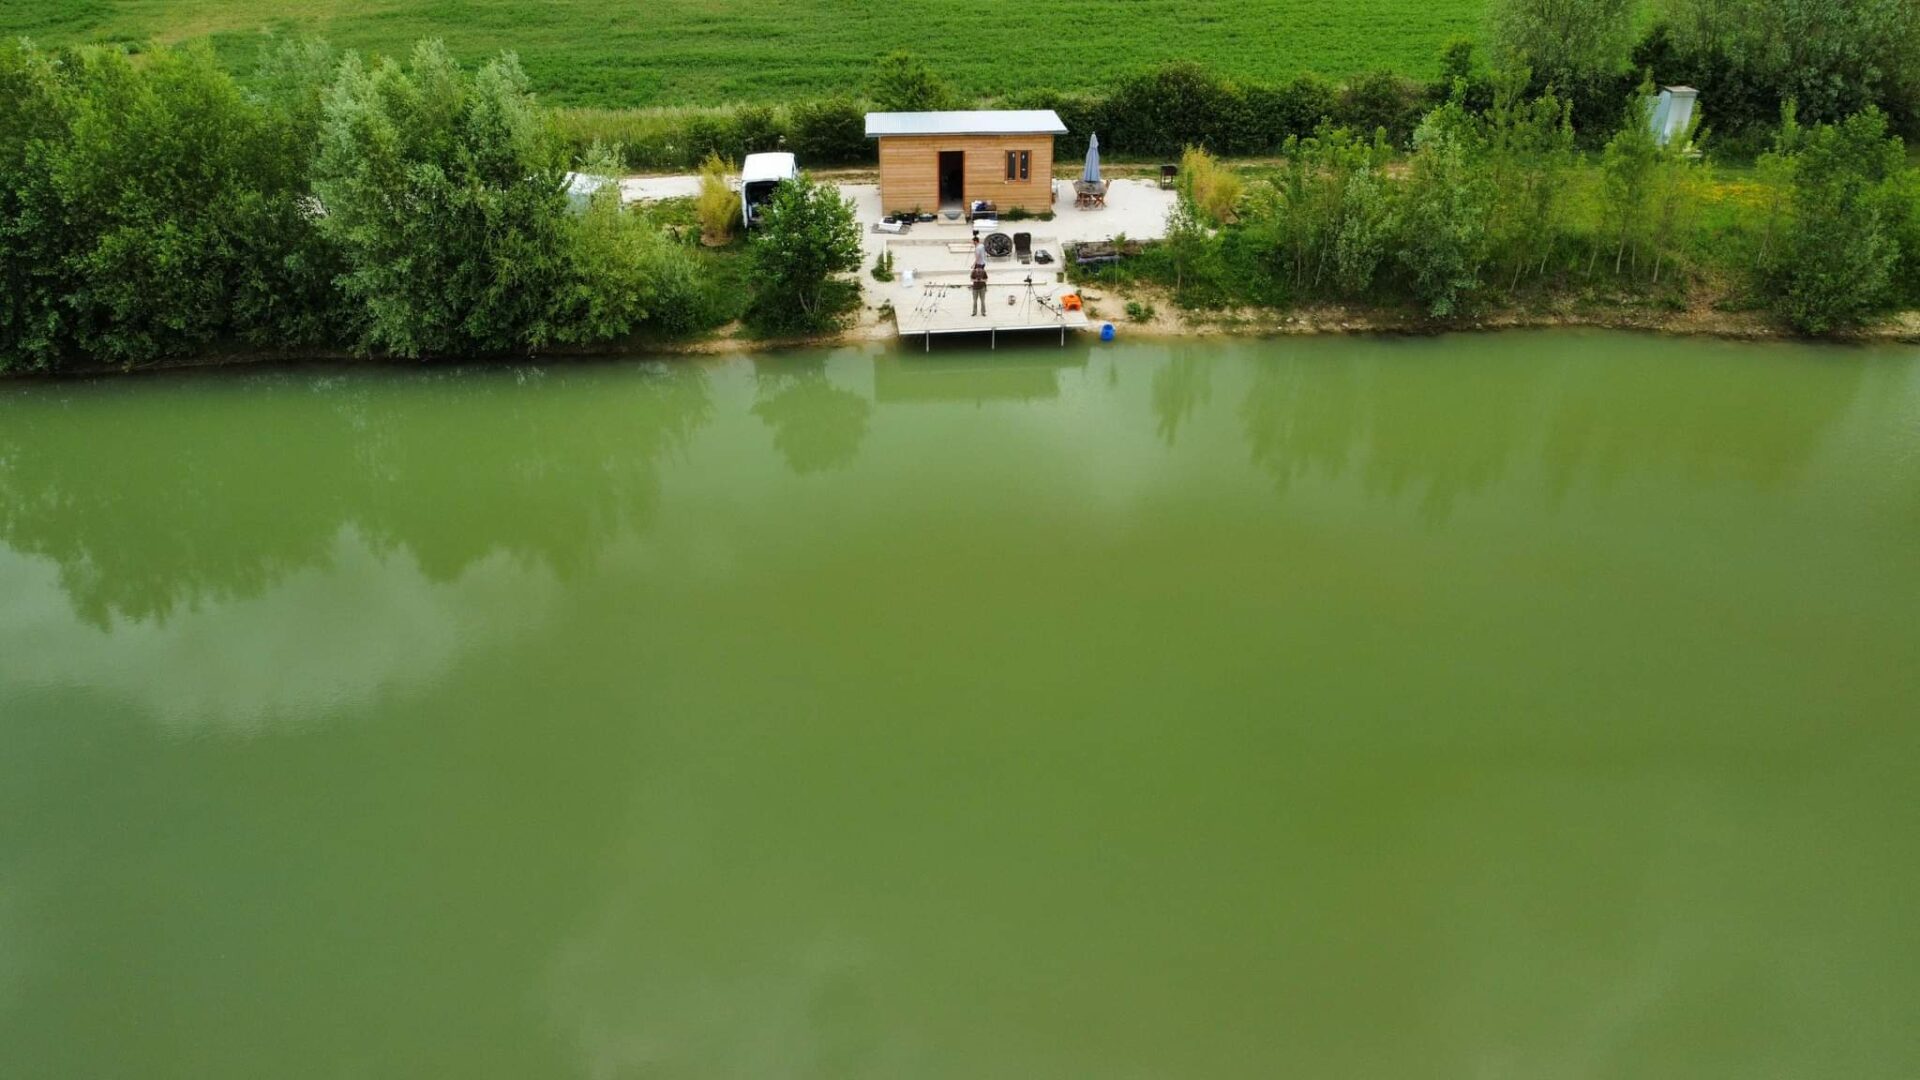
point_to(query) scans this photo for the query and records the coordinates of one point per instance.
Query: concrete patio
(929, 292)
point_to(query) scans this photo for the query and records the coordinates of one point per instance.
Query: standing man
(979, 276)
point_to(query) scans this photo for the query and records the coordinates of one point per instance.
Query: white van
(759, 174)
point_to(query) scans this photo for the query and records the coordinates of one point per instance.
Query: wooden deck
(945, 306)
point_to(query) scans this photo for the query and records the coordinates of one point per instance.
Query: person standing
(979, 276)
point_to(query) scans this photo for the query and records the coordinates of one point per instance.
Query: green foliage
(1837, 261)
(621, 275)
(1833, 57)
(151, 210)
(155, 209)
(1213, 189)
(1140, 312)
(830, 131)
(718, 205)
(1190, 253)
(444, 193)
(1364, 235)
(1328, 190)
(883, 267)
(806, 238)
(1444, 229)
(1629, 163)
(901, 82)
(1529, 143)
(36, 246)
(1562, 41)
(1164, 109)
(1382, 101)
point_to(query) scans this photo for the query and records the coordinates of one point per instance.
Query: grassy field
(621, 53)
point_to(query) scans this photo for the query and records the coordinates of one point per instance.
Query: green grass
(622, 53)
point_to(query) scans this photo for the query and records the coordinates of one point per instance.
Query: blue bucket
(1106, 331)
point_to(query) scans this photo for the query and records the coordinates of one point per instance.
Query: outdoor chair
(1167, 174)
(1023, 246)
(1090, 195)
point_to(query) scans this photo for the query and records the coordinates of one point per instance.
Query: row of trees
(1748, 58)
(1496, 205)
(157, 208)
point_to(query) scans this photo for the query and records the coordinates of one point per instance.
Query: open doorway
(953, 171)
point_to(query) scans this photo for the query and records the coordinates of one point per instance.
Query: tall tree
(902, 82)
(1836, 265)
(445, 192)
(1564, 42)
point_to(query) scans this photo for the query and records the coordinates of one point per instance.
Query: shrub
(1215, 190)
(1381, 101)
(883, 267)
(622, 274)
(831, 131)
(1140, 312)
(1165, 109)
(717, 205)
(1270, 115)
(807, 236)
(1443, 219)
(757, 128)
(1842, 249)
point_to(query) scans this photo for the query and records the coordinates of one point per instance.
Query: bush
(1842, 249)
(151, 209)
(1381, 101)
(717, 205)
(622, 275)
(1163, 110)
(1273, 114)
(1443, 218)
(1214, 189)
(807, 236)
(832, 131)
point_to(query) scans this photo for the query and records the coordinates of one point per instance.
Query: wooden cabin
(948, 160)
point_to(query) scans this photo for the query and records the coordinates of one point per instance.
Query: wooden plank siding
(910, 171)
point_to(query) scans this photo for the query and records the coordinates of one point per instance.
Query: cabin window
(1019, 164)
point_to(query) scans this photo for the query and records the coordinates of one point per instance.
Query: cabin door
(953, 171)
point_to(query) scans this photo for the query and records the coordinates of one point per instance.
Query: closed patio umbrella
(1091, 174)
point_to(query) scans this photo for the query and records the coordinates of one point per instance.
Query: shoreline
(1169, 324)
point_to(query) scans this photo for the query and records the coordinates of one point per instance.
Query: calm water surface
(1531, 706)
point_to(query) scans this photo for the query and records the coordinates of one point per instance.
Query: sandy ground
(1135, 208)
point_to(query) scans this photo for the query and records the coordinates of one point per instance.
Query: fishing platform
(932, 290)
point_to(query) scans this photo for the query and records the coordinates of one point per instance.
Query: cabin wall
(910, 171)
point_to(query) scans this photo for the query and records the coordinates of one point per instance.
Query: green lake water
(1518, 706)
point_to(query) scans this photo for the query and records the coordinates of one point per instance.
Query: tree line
(154, 207)
(1497, 207)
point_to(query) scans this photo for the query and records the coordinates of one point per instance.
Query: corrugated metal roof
(973, 122)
